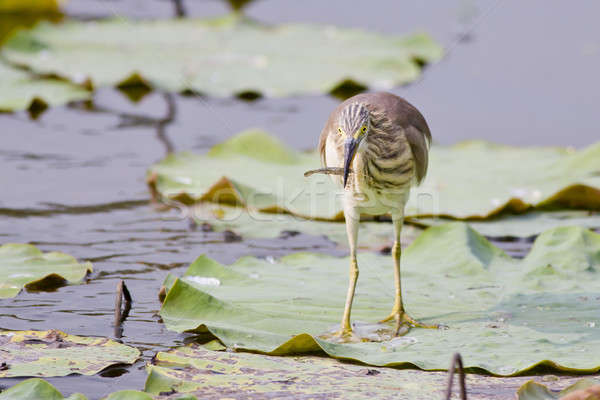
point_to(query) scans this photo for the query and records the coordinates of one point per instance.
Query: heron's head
(354, 124)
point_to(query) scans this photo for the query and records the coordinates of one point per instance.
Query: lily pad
(19, 14)
(523, 225)
(375, 235)
(221, 57)
(234, 177)
(24, 265)
(55, 353)
(207, 375)
(484, 180)
(536, 391)
(19, 90)
(255, 224)
(505, 316)
(479, 180)
(130, 395)
(38, 389)
(30, 6)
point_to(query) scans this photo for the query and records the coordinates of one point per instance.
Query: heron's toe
(342, 336)
(388, 318)
(405, 322)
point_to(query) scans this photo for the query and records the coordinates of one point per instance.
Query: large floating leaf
(584, 389)
(254, 224)
(20, 91)
(38, 389)
(30, 6)
(473, 179)
(23, 265)
(55, 353)
(222, 56)
(479, 179)
(524, 225)
(132, 395)
(19, 14)
(235, 177)
(375, 235)
(185, 373)
(505, 315)
(216, 375)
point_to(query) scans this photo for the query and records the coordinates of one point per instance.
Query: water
(74, 179)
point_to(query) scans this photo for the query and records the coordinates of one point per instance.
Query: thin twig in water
(457, 359)
(118, 301)
(127, 297)
(121, 313)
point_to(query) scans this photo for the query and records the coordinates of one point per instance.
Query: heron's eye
(363, 129)
(340, 131)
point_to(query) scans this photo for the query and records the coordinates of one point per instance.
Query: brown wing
(323, 142)
(419, 146)
(330, 127)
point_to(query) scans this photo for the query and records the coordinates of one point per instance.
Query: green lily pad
(38, 389)
(24, 265)
(20, 14)
(484, 180)
(130, 395)
(19, 90)
(185, 372)
(536, 391)
(523, 225)
(479, 180)
(221, 57)
(375, 235)
(505, 315)
(30, 6)
(207, 374)
(255, 224)
(55, 353)
(233, 177)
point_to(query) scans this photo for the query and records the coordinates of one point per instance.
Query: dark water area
(73, 180)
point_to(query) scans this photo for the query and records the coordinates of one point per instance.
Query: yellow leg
(352, 220)
(346, 328)
(398, 313)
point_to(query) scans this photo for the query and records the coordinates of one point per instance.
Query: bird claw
(388, 318)
(342, 336)
(403, 320)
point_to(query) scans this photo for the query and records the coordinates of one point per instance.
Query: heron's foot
(404, 322)
(344, 335)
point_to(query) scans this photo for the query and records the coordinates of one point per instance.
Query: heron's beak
(349, 152)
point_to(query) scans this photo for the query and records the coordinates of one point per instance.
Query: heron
(379, 145)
